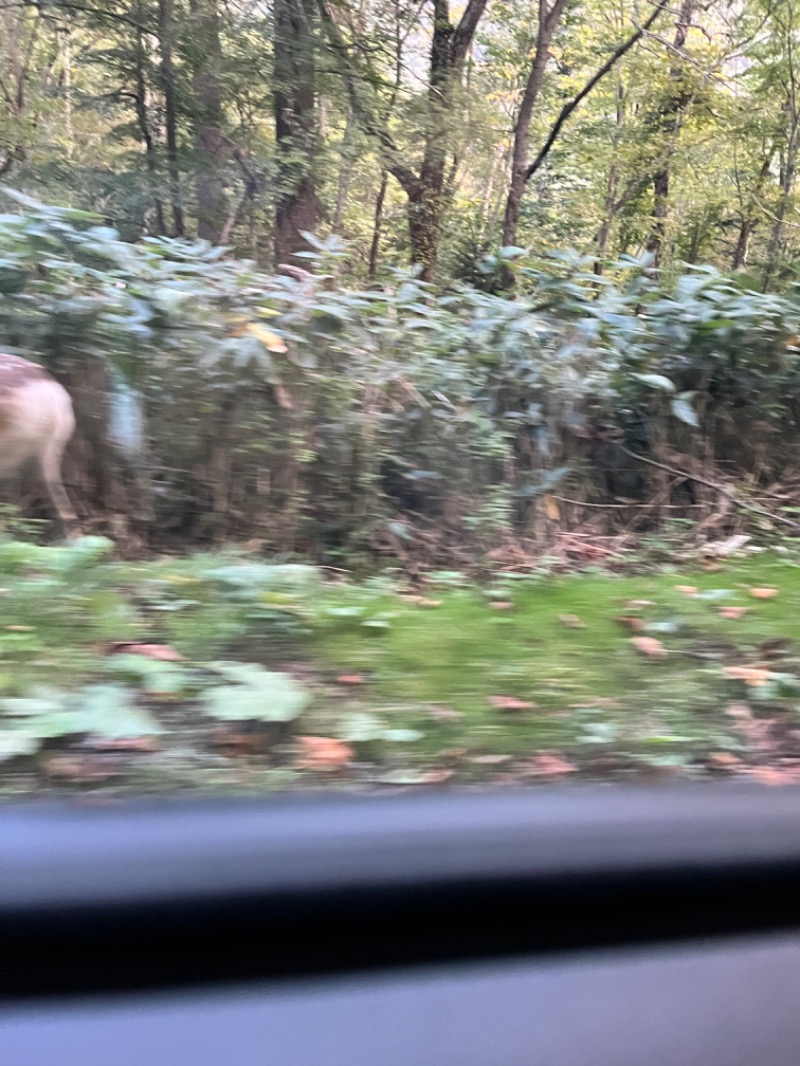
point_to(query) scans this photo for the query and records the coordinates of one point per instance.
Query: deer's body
(36, 423)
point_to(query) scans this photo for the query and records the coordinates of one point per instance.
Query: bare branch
(364, 111)
(610, 63)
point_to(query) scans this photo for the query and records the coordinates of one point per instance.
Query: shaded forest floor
(225, 672)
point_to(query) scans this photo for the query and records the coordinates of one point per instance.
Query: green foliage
(336, 421)
(251, 693)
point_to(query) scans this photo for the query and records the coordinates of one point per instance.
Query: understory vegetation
(431, 426)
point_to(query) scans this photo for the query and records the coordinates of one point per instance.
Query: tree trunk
(426, 190)
(374, 248)
(143, 119)
(788, 171)
(749, 221)
(165, 34)
(549, 20)
(667, 125)
(211, 144)
(296, 130)
(345, 173)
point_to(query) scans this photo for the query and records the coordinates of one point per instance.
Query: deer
(36, 424)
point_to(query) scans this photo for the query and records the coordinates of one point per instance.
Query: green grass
(464, 651)
(594, 695)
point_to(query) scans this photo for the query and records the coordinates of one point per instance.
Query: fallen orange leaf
(649, 647)
(751, 675)
(687, 590)
(631, 621)
(510, 703)
(324, 753)
(723, 760)
(502, 605)
(350, 679)
(732, 612)
(548, 764)
(763, 594)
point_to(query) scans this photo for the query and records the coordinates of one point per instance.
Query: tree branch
(363, 110)
(610, 63)
(465, 31)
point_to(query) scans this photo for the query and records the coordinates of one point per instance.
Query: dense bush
(316, 419)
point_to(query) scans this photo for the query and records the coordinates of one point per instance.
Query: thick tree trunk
(211, 144)
(296, 125)
(788, 173)
(166, 34)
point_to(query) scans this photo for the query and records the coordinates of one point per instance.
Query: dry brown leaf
(640, 603)
(649, 647)
(147, 745)
(763, 594)
(550, 764)
(502, 605)
(687, 590)
(551, 508)
(163, 652)
(510, 703)
(489, 760)
(19, 629)
(80, 769)
(630, 621)
(732, 612)
(324, 753)
(240, 741)
(723, 760)
(350, 679)
(571, 621)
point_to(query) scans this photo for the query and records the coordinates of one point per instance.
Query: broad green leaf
(655, 381)
(254, 693)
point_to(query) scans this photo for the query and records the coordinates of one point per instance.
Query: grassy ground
(122, 678)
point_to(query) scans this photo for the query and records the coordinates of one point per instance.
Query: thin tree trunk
(749, 221)
(374, 248)
(66, 64)
(549, 19)
(345, 173)
(165, 33)
(143, 119)
(776, 237)
(668, 125)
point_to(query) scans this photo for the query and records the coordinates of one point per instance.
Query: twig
(712, 485)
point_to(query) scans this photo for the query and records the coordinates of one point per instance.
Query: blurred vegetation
(346, 425)
(221, 671)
